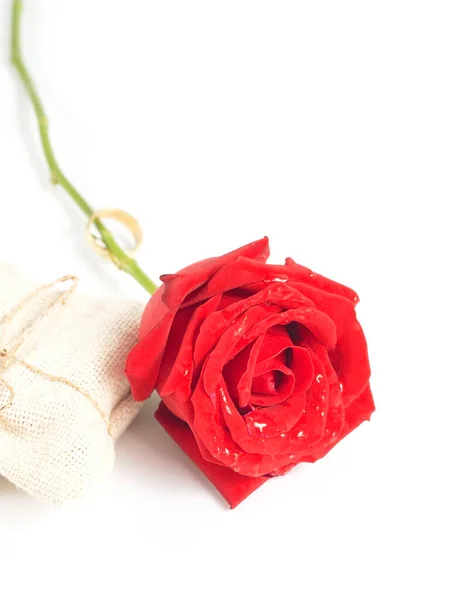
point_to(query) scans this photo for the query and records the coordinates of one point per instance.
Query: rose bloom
(259, 367)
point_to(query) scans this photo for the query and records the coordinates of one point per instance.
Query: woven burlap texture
(57, 440)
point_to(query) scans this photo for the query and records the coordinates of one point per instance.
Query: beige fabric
(58, 421)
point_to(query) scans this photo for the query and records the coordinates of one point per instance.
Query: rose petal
(302, 274)
(336, 410)
(268, 383)
(231, 297)
(181, 409)
(232, 486)
(245, 382)
(251, 325)
(274, 420)
(360, 410)
(276, 340)
(208, 427)
(229, 344)
(232, 418)
(302, 367)
(182, 368)
(155, 311)
(302, 435)
(285, 389)
(179, 285)
(283, 470)
(144, 360)
(351, 361)
(174, 344)
(273, 298)
(238, 274)
(240, 366)
(299, 430)
(317, 322)
(349, 357)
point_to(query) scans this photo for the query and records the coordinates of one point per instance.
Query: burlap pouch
(64, 398)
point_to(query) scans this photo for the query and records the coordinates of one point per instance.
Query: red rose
(259, 367)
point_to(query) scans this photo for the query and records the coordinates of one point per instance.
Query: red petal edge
(232, 486)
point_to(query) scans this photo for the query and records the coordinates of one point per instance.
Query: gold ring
(120, 216)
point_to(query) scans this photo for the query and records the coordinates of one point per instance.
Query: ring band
(120, 216)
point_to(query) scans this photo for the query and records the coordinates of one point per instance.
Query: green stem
(122, 260)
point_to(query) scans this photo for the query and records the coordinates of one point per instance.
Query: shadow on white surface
(147, 454)
(19, 511)
(146, 458)
(6, 487)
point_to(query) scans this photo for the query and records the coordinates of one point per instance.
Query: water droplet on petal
(260, 426)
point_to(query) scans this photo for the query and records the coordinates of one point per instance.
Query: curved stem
(122, 260)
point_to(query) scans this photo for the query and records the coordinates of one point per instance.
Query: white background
(336, 128)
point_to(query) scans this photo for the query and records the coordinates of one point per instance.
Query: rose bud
(259, 367)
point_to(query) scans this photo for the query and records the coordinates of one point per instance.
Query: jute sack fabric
(64, 398)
